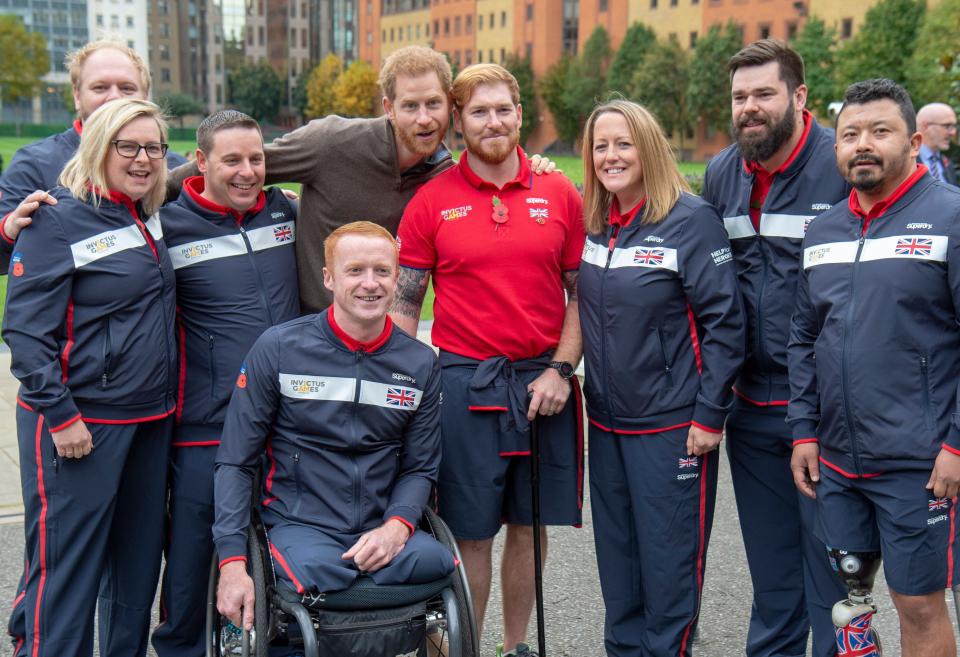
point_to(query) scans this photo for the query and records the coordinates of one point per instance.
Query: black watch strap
(563, 367)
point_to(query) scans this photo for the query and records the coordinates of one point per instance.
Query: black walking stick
(537, 562)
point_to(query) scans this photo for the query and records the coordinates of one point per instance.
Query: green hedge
(41, 130)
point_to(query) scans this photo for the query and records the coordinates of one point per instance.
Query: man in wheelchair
(346, 408)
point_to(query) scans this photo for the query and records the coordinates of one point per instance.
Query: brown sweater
(348, 169)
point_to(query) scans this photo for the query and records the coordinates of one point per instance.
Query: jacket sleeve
(420, 459)
(706, 192)
(297, 156)
(38, 318)
(952, 440)
(803, 412)
(19, 180)
(710, 283)
(248, 423)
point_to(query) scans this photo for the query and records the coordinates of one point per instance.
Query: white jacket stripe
(106, 244)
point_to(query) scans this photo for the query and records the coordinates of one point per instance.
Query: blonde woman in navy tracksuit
(90, 323)
(663, 336)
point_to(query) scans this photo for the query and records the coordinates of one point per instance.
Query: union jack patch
(401, 397)
(539, 213)
(689, 462)
(282, 233)
(645, 256)
(914, 246)
(938, 504)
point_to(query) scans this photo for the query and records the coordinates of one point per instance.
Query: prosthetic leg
(852, 617)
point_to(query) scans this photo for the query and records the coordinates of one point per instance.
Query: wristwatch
(563, 367)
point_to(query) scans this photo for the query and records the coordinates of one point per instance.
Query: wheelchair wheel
(224, 639)
(441, 640)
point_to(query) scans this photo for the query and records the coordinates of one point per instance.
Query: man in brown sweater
(362, 169)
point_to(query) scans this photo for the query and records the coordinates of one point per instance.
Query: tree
(300, 95)
(320, 94)
(356, 90)
(180, 105)
(23, 59)
(930, 70)
(256, 89)
(884, 44)
(665, 95)
(636, 43)
(523, 72)
(552, 85)
(708, 89)
(816, 45)
(586, 81)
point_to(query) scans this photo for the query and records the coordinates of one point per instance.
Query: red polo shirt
(498, 285)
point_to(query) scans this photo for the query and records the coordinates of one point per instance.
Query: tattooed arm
(411, 289)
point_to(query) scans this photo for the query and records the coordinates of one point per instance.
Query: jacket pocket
(298, 492)
(925, 384)
(667, 366)
(212, 357)
(106, 354)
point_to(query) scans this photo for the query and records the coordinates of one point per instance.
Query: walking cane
(956, 602)
(535, 494)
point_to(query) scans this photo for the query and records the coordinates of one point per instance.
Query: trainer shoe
(522, 650)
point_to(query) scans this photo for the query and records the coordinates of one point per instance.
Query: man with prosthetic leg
(874, 359)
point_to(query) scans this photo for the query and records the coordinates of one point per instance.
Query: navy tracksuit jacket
(352, 435)
(773, 517)
(236, 277)
(38, 165)
(90, 323)
(875, 348)
(664, 337)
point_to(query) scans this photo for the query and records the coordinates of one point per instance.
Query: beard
(493, 153)
(761, 147)
(408, 137)
(867, 180)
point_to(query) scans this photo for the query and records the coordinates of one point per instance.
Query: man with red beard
(768, 186)
(503, 246)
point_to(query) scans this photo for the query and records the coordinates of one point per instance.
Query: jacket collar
(881, 207)
(353, 344)
(193, 189)
(800, 152)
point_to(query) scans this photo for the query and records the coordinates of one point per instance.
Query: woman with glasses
(90, 324)
(663, 339)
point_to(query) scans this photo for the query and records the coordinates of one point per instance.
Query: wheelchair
(448, 619)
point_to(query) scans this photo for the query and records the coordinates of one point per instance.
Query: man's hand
(945, 478)
(701, 441)
(235, 597)
(378, 547)
(550, 393)
(541, 164)
(73, 442)
(20, 218)
(290, 194)
(805, 465)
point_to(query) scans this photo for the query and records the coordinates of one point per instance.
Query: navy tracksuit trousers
(794, 587)
(189, 551)
(652, 514)
(94, 534)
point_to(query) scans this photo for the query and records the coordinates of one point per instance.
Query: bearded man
(777, 176)
(503, 245)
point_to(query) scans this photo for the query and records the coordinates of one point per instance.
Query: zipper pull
(296, 457)
(103, 379)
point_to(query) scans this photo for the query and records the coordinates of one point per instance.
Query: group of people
(178, 358)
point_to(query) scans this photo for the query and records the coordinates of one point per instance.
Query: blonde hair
(473, 76)
(85, 175)
(77, 58)
(412, 61)
(662, 181)
(364, 229)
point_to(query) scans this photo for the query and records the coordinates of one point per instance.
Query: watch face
(565, 369)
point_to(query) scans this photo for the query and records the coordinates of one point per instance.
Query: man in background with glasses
(503, 245)
(937, 123)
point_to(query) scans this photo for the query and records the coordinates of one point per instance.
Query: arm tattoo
(570, 283)
(411, 289)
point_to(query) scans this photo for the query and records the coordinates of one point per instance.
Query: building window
(468, 56)
(427, 30)
(99, 20)
(418, 31)
(479, 22)
(490, 55)
(693, 39)
(303, 38)
(529, 51)
(479, 55)
(446, 27)
(604, 5)
(249, 35)
(391, 35)
(503, 55)
(456, 25)
(503, 19)
(383, 36)
(529, 12)
(764, 31)
(456, 59)
(791, 30)
(165, 75)
(653, 4)
(369, 37)
(673, 3)
(846, 28)
(261, 37)
(164, 52)
(469, 24)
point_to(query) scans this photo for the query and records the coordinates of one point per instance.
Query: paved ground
(574, 608)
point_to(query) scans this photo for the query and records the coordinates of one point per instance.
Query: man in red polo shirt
(503, 246)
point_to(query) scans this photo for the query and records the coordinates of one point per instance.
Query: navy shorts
(895, 514)
(479, 488)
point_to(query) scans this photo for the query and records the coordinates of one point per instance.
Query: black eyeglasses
(130, 149)
(948, 126)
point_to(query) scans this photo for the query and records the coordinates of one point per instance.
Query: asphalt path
(574, 607)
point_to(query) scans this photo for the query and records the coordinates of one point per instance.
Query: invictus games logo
(816, 255)
(196, 250)
(101, 244)
(306, 386)
(452, 214)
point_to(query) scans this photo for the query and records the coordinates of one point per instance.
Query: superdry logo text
(402, 377)
(919, 226)
(537, 199)
(277, 215)
(820, 207)
(452, 214)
